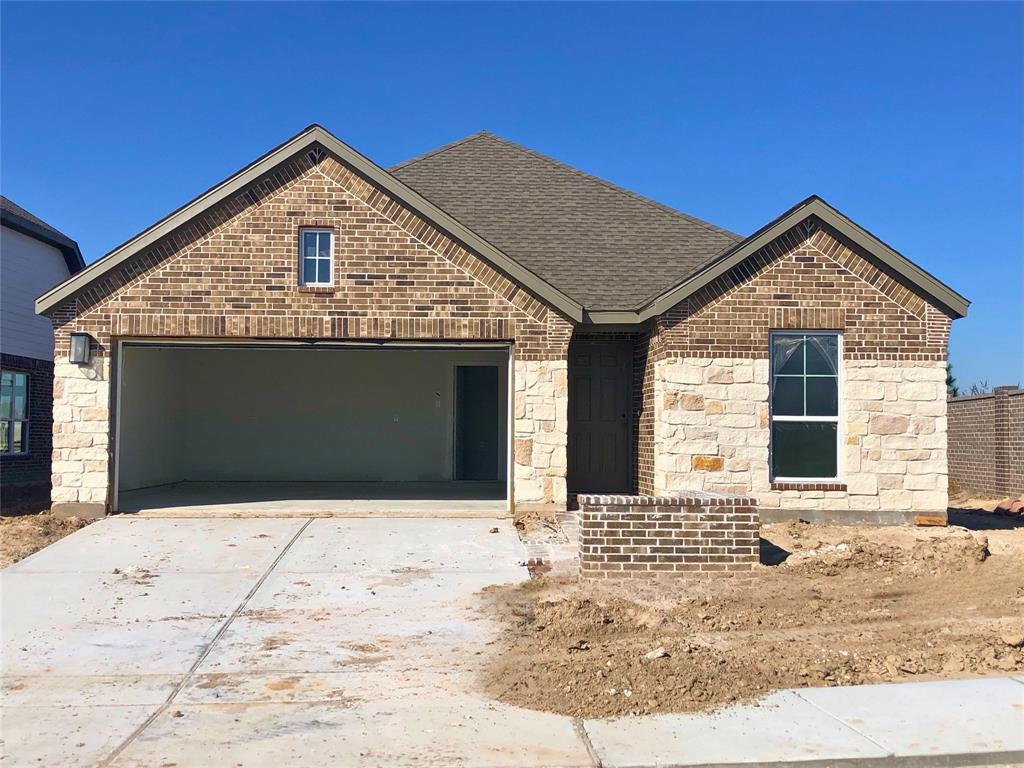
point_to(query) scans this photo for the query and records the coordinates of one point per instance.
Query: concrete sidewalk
(355, 642)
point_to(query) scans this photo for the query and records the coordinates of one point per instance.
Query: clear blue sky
(907, 117)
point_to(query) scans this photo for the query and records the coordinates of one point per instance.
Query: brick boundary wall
(649, 536)
(986, 441)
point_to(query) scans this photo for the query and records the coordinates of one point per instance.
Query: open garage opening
(305, 428)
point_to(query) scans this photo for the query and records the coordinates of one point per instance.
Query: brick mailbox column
(647, 536)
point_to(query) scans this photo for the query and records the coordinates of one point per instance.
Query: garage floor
(413, 499)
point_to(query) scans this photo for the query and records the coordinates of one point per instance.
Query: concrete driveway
(280, 641)
(169, 643)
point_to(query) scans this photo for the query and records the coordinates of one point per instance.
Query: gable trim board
(813, 206)
(314, 136)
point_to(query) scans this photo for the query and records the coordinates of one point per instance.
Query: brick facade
(647, 536)
(700, 371)
(233, 273)
(986, 442)
(25, 471)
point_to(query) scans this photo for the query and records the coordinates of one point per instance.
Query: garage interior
(312, 428)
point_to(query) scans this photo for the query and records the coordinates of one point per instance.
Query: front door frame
(631, 446)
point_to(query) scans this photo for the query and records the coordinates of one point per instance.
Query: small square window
(316, 257)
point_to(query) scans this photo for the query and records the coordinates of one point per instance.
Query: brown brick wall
(807, 279)
(986, 442)
(234, 273)
(647, 350)
(33, 467)
(647, 536)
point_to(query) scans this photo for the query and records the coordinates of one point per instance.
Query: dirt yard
(829, 606)
(22, 535)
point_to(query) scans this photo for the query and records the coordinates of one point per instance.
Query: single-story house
(34, 257)
(486, 325)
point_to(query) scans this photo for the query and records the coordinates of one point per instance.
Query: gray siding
(28, 268)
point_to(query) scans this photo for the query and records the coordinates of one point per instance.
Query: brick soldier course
(434, 252)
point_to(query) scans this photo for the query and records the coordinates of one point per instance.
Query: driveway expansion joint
(889, 751)
(109, 759)
(581, 730)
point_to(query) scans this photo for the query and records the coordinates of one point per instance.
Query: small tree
(980, 388)
(951, 385)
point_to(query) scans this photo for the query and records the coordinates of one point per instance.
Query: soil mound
(848, 606)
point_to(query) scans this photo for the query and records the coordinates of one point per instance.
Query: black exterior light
(80, 348)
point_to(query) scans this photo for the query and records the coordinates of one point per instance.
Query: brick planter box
(648, 536)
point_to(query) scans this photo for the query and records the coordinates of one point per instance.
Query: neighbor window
(805, 406)
(13, 412)
(317, 250)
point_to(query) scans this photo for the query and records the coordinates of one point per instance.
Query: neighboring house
(34, 257)
(485, 322)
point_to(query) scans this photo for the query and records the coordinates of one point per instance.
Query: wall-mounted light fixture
(80, 348)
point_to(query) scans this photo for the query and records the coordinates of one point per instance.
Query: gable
(807, 278)
(250, 184)
(241, 263)
(596, 266)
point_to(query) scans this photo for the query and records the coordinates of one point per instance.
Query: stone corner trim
(647, 536)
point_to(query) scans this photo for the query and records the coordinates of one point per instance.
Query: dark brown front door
(600, 375)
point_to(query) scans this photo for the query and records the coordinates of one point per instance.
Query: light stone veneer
(712, 434)
(81, 432)
(541, 413)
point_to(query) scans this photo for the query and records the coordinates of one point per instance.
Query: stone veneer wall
(713, 434)
(541, 404)
(81, 432)
(647, 536)
(232, 273)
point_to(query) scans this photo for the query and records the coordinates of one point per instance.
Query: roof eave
(68, 248)
(365, 167)
(938, 291)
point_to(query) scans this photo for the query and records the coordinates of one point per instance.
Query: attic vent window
(316, 257)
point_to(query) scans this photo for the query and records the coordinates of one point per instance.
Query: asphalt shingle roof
(606, 247)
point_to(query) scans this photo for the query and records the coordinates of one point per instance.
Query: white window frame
(10, 422)
(303, 231)
(837, 419)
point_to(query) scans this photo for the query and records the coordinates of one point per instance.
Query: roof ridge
(440, 150)
(605, 183)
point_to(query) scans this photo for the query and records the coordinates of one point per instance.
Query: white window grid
(317, 258)
(830, 419)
